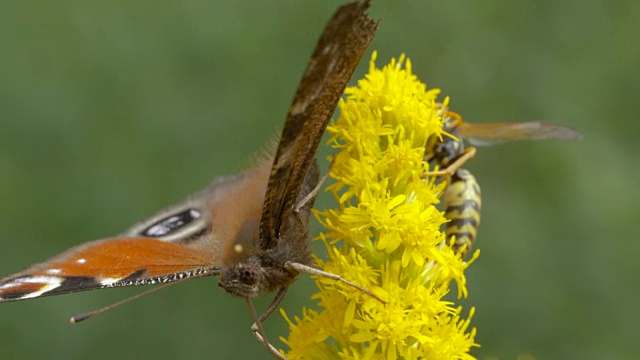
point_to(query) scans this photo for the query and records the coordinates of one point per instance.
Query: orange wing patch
(108, 263)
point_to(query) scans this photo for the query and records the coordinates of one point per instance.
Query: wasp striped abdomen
(462, 202)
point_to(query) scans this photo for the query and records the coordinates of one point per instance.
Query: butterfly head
(243, 278)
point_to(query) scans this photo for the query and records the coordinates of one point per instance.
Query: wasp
(462, 197)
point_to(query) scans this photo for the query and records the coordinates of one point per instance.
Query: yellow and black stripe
(462, 202)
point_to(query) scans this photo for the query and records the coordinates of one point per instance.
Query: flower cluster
(385, 233)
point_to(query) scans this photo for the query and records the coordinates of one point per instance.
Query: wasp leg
(450, 170)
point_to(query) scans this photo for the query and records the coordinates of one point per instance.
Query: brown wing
(338, 52)
(486, 134)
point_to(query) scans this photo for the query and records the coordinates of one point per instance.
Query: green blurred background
(112, 110)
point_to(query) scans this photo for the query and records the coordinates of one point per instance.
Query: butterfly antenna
(313, 271)
(88, 315)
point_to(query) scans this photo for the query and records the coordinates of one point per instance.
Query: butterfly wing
(108, 263)
(184, 240)
(337, 54)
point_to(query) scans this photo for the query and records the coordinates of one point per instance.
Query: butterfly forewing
(337, 54)
(107, 263)
(184, 240)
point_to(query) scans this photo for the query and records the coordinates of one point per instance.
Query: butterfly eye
(172, 224)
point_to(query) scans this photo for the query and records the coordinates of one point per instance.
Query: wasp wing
(492, 133)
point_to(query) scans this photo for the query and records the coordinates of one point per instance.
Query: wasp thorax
(242, 279)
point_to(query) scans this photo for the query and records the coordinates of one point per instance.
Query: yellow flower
(384, 233)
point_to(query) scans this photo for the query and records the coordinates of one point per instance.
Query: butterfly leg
(313, 271)
(256, 328)
(313, 193)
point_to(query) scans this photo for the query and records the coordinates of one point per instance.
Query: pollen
(238, 249)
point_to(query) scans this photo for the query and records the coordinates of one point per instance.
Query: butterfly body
(251, 269)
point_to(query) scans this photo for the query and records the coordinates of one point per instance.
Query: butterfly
(250, 229)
